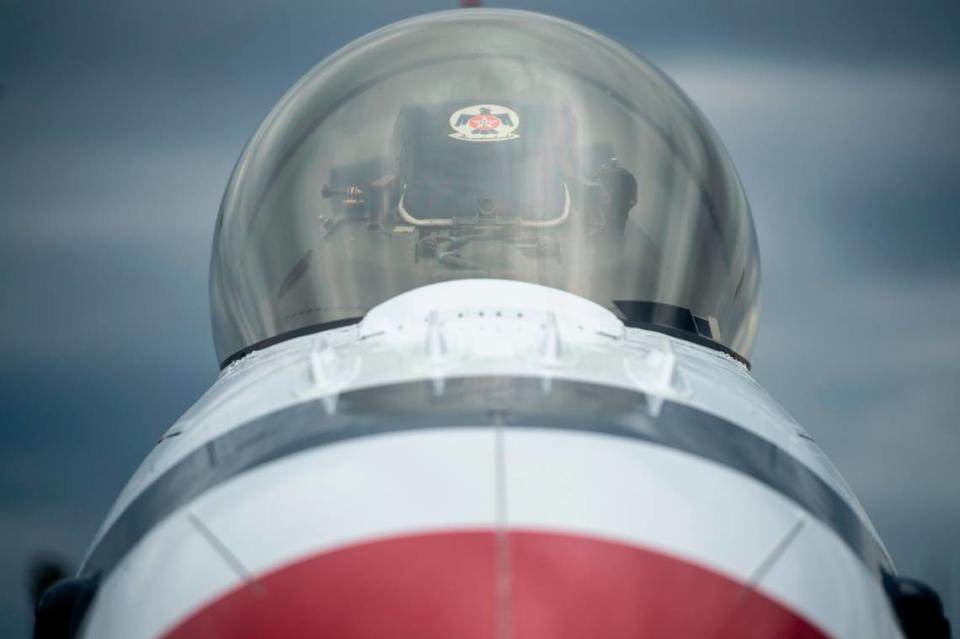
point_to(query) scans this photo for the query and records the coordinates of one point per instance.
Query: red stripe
(444, 586)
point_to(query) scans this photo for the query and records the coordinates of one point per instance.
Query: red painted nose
(483, 585)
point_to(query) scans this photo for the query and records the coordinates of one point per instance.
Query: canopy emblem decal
(484, 123)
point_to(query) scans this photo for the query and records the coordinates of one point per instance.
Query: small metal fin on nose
(657, 374)
(551, 345)
(436, 343)
(327, 372)
(323, 361)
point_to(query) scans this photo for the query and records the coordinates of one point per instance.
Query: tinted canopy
(483, 144)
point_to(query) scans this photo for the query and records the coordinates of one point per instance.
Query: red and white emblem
(484, 123)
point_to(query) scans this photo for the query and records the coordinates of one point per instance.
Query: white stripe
(698, 511)
(173, 570)
(298, 506)
(432, 480)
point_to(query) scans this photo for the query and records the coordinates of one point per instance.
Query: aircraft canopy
(483, 144)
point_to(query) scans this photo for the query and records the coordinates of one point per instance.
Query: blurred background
(120, 123)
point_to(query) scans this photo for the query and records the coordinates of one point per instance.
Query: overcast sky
(119, 127)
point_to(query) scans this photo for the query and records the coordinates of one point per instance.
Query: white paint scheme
(357, 490)
(830, 585)
(392, 345)
(680, 505)
(434, 480)
(325, 498)
(173, 570)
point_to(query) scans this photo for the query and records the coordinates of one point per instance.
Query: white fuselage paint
(390, 484)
